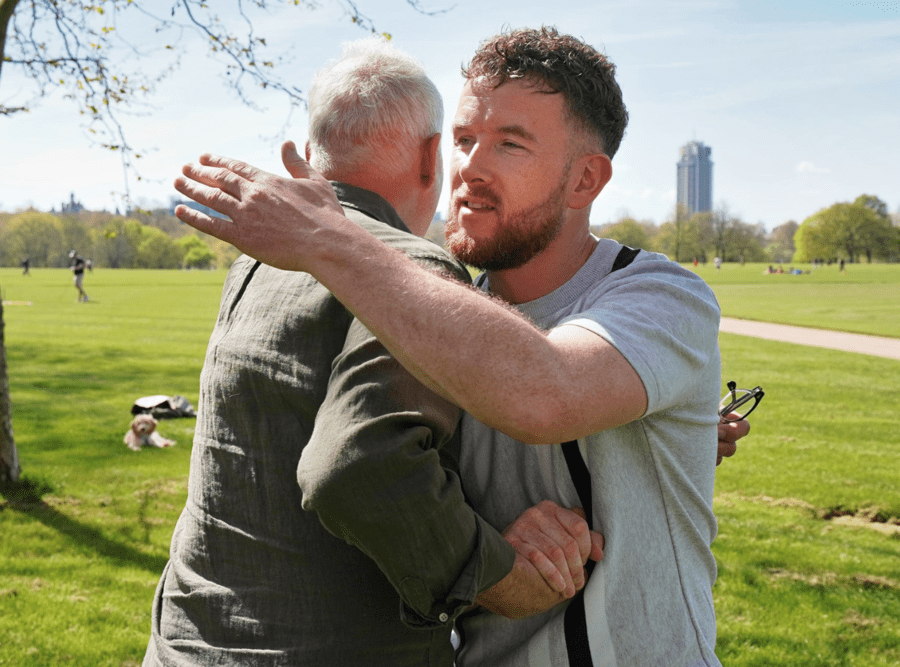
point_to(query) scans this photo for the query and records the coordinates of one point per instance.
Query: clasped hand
(552, 545)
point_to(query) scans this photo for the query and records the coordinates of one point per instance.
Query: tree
(846, 231)
(746, 242)
(156, 250)
(780, 242)
(736, 240)
(678, 237)
(32, 234)
(82, 47)
(9, 456)
(76, 236)
(197, 255)
(628, 231)
(879, 238)
(874, 204)
(76, 45)
(721, 222)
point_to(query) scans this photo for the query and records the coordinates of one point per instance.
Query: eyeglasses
(741, 402)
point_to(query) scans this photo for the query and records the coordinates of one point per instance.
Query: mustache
(482, 193)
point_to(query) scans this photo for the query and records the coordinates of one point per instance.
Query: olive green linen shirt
(322, 525)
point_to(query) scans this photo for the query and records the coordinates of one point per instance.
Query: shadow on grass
(26, 489)
(26, 502)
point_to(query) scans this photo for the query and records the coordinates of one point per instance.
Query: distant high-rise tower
(695, 178)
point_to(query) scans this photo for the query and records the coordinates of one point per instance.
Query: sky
(798, 99)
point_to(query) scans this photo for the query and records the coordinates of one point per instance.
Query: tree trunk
(9, 457)
(7, 7)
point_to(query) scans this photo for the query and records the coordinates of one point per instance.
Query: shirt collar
(368, 203)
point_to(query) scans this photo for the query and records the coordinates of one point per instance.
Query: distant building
(695, 178)
(72, 206)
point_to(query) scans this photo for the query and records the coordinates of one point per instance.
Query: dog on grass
(143, 433)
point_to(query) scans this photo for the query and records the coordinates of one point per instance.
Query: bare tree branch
(76, 45)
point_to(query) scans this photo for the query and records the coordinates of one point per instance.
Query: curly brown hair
(565, 64)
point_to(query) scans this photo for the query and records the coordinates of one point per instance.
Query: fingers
(597, 541)
(231, 165)
(597, 544)
(729, 434)
(523, 592)
(733, 431)
(556, 541)
(552, 572)
(576, 526)
(204, 194)
(218, 178)
(725, 449)
(296, 166)
(217, 227)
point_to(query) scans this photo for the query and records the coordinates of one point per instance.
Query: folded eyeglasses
(738, 403)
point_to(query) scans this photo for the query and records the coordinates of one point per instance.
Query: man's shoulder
(657, 267)
(416, 247)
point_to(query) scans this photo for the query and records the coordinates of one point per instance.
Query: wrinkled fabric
(320, 526)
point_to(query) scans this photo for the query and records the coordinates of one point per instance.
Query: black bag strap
(575, 620)
(624, 258)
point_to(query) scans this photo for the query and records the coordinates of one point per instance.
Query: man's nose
(475, 165)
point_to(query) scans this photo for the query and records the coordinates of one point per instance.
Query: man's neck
(545, 272)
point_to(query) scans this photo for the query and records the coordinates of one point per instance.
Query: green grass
(78, 570)
(795, 588)
(865, 299)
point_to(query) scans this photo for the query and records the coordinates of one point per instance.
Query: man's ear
(590, 175)
(430, 168)
(307, 151)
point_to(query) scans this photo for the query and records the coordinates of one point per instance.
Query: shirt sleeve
(664, 320)
(372, 471)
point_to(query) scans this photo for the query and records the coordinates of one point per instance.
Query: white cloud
(807, 167)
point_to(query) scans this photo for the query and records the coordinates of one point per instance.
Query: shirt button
(443, 618)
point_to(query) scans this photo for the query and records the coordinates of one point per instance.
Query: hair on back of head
(371, 108)
(566, 65)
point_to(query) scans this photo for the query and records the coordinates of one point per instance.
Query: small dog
(143, 432)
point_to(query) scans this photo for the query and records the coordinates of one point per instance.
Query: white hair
(371, 107)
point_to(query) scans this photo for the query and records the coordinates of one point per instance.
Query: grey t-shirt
(649, 601)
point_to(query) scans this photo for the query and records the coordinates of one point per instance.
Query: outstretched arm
(535, 386)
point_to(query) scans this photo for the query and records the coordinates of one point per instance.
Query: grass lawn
(796, 588)
(865, 299)
(78, 570)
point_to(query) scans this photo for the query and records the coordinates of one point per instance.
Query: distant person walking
(25, 264)
(718, 262)
(77, 267)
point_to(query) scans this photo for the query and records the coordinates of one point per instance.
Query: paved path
(836, 340)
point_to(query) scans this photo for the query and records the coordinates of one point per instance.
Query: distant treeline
(853, 231)
(142, 240)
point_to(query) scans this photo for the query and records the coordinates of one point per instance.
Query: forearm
(372, 472)
(479, 353)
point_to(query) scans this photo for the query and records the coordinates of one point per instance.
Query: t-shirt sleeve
(663, 319)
